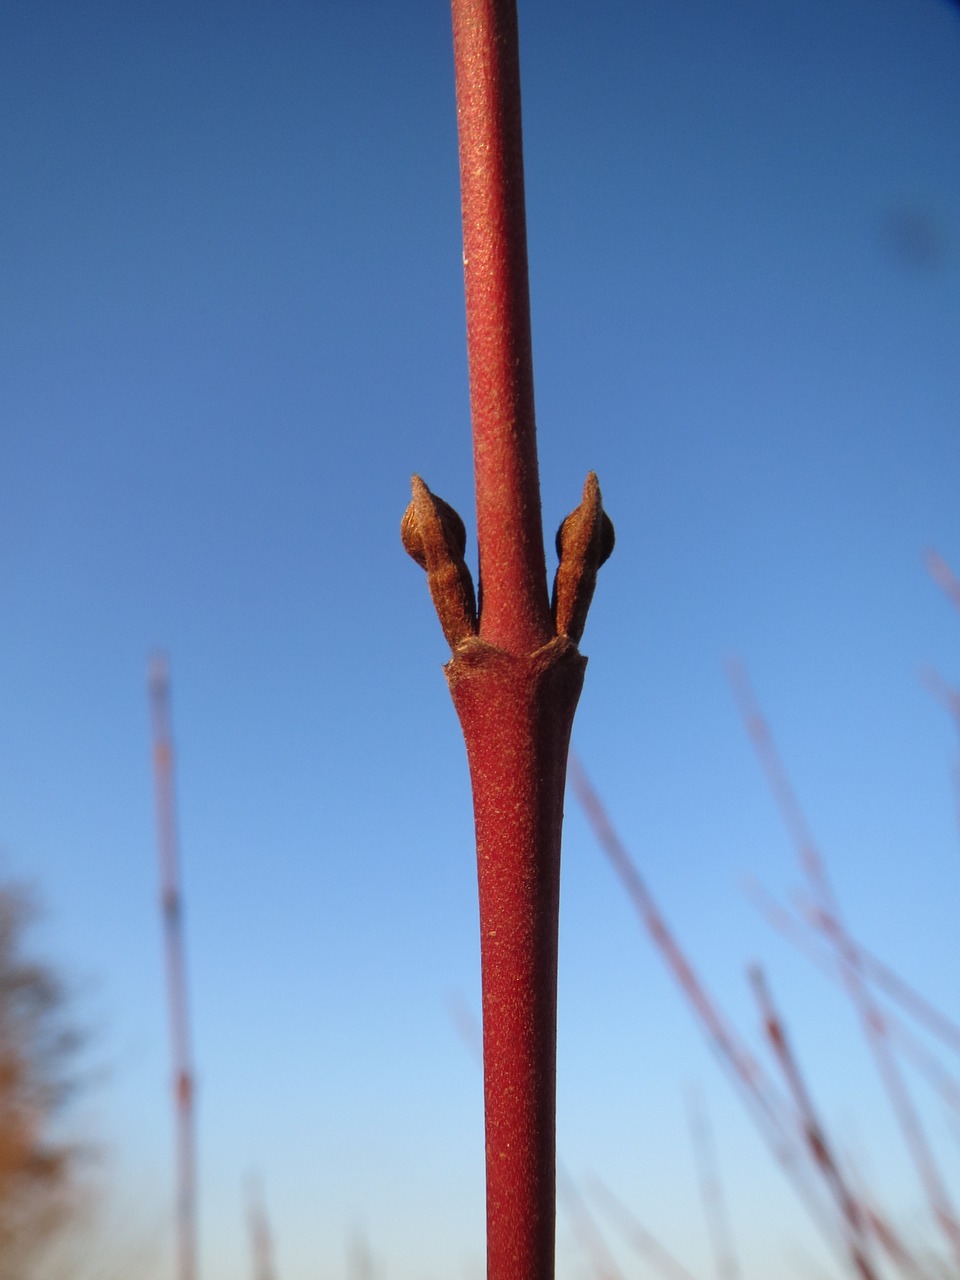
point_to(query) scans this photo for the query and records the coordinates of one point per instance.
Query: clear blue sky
(232, 326)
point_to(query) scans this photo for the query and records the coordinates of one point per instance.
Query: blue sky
(232, 326)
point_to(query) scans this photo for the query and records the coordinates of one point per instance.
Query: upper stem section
(515, 610)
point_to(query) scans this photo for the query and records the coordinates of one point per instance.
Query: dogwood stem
(516, 673)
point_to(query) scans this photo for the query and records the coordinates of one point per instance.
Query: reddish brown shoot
(813, 1130)
(516, 673)
(762, 1102)
(513, 567)
(793, 929)
(871, 1018)
(170, 901)
(943, 576)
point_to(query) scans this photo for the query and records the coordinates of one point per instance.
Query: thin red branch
(761, 1100)
(581, 1221)
(906, 996)
(789, 927)
(943, 575)
(171, 906)
(872, 1020)
(516, 609)
(813, 1130)
(516, 672)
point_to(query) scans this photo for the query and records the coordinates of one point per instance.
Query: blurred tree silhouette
(39, 1173)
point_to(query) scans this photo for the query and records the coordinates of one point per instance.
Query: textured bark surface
(516, 673)
(513, 573)
(516, 714)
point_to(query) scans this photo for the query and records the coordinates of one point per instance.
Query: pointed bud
(434, 535)
(584, 541)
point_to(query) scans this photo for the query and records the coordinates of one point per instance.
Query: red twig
(516, 672)
(943, 575)
(945, 693)
(762, 1102)
(581, 1220)
(789, 927)
(909, 999)
(813, 1130)
(883, 1231)
(872, 1020)
(516, 613)
(171, 906)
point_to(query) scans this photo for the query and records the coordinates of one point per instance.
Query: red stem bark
(510, 712)
(516, 612)
(516, 672)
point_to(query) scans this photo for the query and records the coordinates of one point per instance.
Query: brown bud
(434, 535)
(584, 541)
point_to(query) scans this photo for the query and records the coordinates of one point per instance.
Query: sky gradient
(232, 326)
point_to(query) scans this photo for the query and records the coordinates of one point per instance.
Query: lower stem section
(517, 714)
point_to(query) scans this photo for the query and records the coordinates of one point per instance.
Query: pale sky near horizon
(232, 327)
